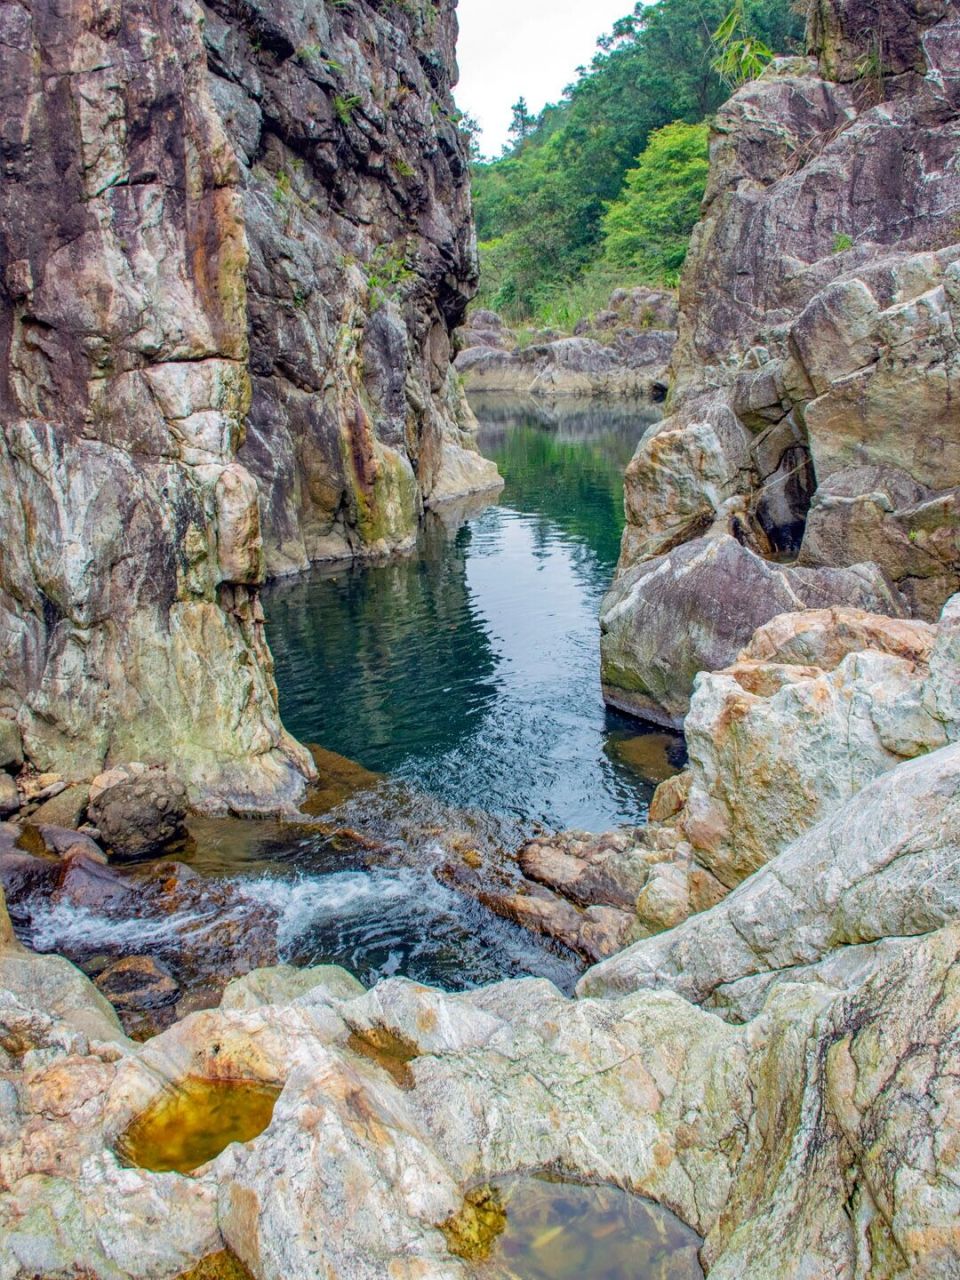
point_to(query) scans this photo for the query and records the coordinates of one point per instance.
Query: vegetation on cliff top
(596, 190)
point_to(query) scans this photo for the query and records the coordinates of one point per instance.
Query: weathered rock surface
(396, 1102)
(140, 814)
(814, 407)
(885, 865)
(778, 741)
(818, 705)
(692, 609)
(580, 367)
(235, 245)
(355, 198)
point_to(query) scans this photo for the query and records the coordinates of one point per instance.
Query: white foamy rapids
(397, 920)
(304, 903)
(62, 926)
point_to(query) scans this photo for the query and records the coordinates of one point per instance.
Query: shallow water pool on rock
(193, 1121)
(537, 1228)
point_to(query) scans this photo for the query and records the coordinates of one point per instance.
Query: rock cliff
(235, 240)
(814, 410)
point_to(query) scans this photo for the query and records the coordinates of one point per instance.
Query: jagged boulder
(692, 609)
(779, 741)
(885, 864)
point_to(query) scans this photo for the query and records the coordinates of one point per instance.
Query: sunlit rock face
(817, 706)
(814, 410)
(235, 241)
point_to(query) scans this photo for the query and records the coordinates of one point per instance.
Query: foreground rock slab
(395, 1102)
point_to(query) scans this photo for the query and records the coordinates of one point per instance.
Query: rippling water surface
(466, 678)
(471, 670)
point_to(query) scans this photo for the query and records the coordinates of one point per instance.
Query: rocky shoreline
(809, 455)
(622, 354)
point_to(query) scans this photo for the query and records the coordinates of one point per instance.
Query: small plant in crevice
(344, 107)
(740, 55)
(282, 188)
(842, 242)
(387, 272)
(401, 167)
(869, 70)
(314, 53)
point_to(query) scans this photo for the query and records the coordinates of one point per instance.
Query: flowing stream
(470, 671)
(463, 681)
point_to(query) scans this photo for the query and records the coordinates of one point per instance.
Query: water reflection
(469, 671)
(540, 1228)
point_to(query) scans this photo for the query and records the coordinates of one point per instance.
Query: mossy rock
(472, 1232)
(217, 1266)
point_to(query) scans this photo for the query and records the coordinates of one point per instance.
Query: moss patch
(217, 1266)
(472, 1232)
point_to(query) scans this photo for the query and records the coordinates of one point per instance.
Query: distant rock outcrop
(814, 409)
(622, 352)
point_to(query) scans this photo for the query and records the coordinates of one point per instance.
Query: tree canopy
(542, 207)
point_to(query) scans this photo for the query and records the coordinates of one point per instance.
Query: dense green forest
(603, 187)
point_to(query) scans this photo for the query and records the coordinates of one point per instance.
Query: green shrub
(387, 272)
(345, 107)
(647, 229)
(542, 202)
(740, 55)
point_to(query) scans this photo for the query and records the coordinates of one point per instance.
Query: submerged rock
(138, 984)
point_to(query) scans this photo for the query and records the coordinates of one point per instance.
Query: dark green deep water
(468, 674)
(471, 670)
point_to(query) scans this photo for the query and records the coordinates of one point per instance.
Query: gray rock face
(355, 199)
(813, 378)
(694, 608)
(236, 239)
(622, 352)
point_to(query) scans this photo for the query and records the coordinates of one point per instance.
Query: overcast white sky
(532, 48)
